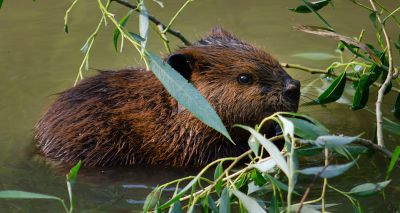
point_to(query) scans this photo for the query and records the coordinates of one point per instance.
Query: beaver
(127, 117)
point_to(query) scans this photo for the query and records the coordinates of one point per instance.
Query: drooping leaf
(186, 94)
(362, 93)
(393, 160)
(329, 171)
(13, 194)
(270, 147)
(368, 189)
(143, 24)
(316, 5)
(265, 166)
(217, 173)
(249, 203)
(136, 37)
(225, 201)
(345, 39)
(122, 23)
(273, 207)
(334, 91)
(306, 129)
(211, 204)
(374, 20)
(396, 109)
(151, 200)
(176, 208)
(288, 126)
(253, 144)
(316, 56)
(332, 141)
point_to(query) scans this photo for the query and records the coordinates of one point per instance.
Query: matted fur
(126, 117)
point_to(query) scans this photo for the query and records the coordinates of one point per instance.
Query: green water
(37, 60)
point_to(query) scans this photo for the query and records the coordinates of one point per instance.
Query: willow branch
(321, 71)
(381, 93)
(156, 22)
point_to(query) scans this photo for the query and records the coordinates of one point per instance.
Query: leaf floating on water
(334, 91)
(316, 5)
(317, 56)
(186, 94)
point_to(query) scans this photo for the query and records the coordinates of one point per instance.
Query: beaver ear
(182, 63)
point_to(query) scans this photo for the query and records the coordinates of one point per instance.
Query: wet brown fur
(126, 117)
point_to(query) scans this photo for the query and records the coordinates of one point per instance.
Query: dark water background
(37, 60)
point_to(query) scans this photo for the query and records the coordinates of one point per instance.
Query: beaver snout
(292, 89)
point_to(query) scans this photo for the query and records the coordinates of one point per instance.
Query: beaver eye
(245, 79)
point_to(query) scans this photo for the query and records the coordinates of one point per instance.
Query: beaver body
(127, 117)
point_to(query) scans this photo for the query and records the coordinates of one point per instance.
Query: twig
(381, 92)
(156, 22)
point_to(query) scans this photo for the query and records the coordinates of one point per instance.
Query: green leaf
(288, 127)
(217, 173)
(332, 141)
(374, 19)
(13, 194)
(257, 177)
(329, 171)
(122, 23)
(392, 127)
(211, 204)
(368, 189)
(249, 203)
(273, 207)
(253, 144)
(186, 94)
(393, 160)
(73, 173)
(362, 93)
(396, 109)
(306, 129)
(143, 24)
(136, 37)
(270, 147)
(309, 150)
(334, 91)
(316, 56)
(1, 3)
(176, 208)
(225, 201)
(316, 5)
(151, 200)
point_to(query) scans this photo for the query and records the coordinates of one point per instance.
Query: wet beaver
(126, 117)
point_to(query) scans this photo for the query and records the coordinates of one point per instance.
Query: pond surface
(37, 60)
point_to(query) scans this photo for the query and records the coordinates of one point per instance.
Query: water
(37, 60)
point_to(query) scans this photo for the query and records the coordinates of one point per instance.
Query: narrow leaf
(217, 173)
(393, 160)
(73, 173)
(334, 91)
(306, 129)
(176, 208)
(362, 93)
(249, 203)
(316, 56)
(270, 147)
(316, 5)
(225, 201)
(1, 3)
(253, 144)
(143, 24)
(329, 171)
(368, 189)
(186, 94)
(265, 166)
(151, 200)
(13, 194)
(122, 23)
(332, 141)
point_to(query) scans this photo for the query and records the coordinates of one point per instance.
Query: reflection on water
(37, 60)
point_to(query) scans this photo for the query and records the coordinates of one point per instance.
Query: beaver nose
(292, 89)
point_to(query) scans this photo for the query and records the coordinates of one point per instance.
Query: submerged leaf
(249, 203)
(367, 189)
(316, 5)
(186, 94)
(334, 91)
(329, 171)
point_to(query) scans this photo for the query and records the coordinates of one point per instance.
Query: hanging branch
(156, 22)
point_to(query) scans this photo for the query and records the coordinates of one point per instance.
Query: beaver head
(243, 83)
